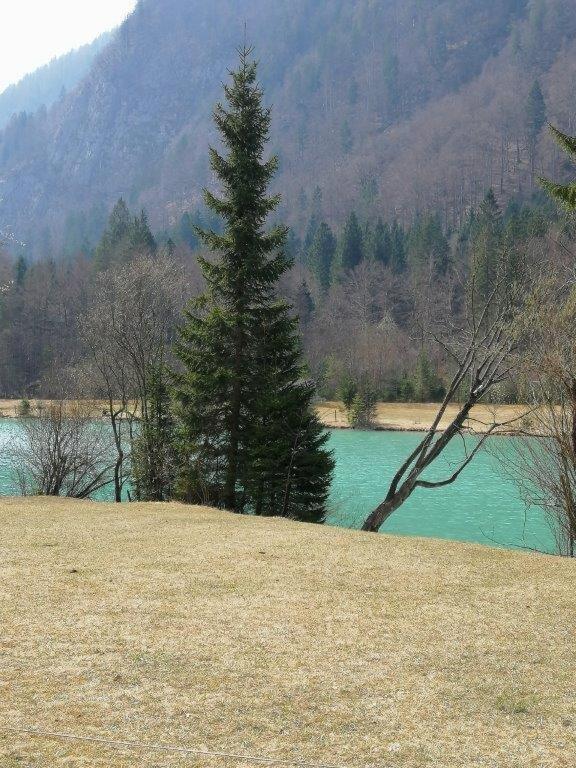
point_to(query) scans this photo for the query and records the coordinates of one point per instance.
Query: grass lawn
(188, 627)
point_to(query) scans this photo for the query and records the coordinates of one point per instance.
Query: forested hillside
(390, 108)
(46, 85)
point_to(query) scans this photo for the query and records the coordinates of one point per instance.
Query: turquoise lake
(483, 506)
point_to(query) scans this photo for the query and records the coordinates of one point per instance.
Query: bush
(347, 392)
(62, 451)
(362, 412)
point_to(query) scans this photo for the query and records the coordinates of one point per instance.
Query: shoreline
(390, 417)
(418, 417)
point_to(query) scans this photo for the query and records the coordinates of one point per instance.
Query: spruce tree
(20, 270)
(311, 230)
(303, 303)
(117, 231)
(380, 244)
(322, 255)
(487, 246)
(153, 449)
(565, 194)
(535, 112)
(428, 246)
(141, 238)
(397, 248)
(249, 438)
(351, 246)
(125, 238)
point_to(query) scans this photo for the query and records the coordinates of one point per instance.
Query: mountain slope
(392, 107)
(46, 85)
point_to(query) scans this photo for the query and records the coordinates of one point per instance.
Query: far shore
(392, 417)
(418, 417)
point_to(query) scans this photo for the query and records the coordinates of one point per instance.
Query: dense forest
(392, 108)
(363, 291)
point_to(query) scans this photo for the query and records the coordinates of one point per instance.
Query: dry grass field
(413, 417)
(179, 626)
(9, 408)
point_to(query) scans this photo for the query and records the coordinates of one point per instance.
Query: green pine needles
(565, 194)
(249, 440)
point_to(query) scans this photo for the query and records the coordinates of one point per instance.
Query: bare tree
(544, 460)
(63, 451)
(130, 321)
(482, 350)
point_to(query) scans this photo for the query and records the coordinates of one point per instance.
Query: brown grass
(419, 416)
(186, 626)
(10, 408)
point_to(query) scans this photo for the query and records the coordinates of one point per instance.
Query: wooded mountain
(383, 106)
(48, 83)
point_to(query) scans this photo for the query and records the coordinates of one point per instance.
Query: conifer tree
(397, 248)
(322, 255)
(535, 112)
(380, 243)
(20, 270)
(311, 230)
(125, 238)
(351, 246)
(141, 238)
(303, 303)
(117, 231)
(487, 246)
(565, 194)
(249, 438)
(153, 450)
(429, 246)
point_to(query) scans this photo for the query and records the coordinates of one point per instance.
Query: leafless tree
(482, 348)
(354, 334)
(63, 451)
(544, 460)
(129, 323)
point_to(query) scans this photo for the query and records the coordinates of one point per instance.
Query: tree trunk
(573, 405)
(382, 512)
(119, 456)
(229, 495)
(118, 479)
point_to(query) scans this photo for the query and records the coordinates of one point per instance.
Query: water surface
(483, 506)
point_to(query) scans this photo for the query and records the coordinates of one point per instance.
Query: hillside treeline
(365, 292)
(42, 88)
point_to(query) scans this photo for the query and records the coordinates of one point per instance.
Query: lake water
(482, 506)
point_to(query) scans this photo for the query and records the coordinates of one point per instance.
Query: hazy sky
(34, 31)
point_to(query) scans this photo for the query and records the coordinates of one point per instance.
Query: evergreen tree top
(489, 208)
(248, 251)
(565, 194)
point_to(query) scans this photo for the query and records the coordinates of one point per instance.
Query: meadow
(187, 627)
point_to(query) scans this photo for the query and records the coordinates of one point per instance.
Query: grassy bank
(414, 417)
(189, 627)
